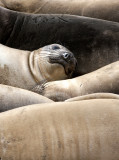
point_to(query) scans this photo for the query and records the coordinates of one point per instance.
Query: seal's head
(56, 62)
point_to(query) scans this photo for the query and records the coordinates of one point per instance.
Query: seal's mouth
(67, 60)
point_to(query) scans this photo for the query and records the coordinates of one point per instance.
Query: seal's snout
(66, 56)
(68, 61)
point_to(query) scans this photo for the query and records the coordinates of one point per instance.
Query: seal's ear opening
(76, 73)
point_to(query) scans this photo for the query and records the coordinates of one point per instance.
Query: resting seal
(90, 8)
(86, 130)
(105, 79)
(91, 40)
(12, 97)
(24, 69)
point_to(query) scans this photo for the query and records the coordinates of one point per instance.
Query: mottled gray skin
(94, 42)
(12, 97)
(101, 9)
(86, 130)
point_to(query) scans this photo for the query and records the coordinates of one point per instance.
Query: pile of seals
(64, 54)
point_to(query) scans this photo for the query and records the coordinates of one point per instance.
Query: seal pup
(25, 69)
(12, 97)
(105, 79)
(86, 130)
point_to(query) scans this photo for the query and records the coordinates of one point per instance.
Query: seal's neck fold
(34, 67)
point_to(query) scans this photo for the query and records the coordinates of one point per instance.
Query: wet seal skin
(90, 8)
(86, 130)
(25, 69)
(105, 79)
(94, 42)
(12, 97)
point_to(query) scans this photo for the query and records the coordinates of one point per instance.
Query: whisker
(41, 59)
(49, 56)
(45, 54)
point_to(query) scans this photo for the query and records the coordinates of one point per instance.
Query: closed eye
(55, 47)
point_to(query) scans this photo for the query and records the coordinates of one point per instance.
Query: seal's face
(61, 60)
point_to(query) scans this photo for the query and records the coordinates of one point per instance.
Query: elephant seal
(24, 69)
(90, 8)
(94, 96)
(105, 79)
(12, 97)
(91, 40)
(86, 130)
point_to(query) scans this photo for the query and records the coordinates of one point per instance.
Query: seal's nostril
(66, 55)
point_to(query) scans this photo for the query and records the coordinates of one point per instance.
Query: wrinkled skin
(94, 42)
(86, 130)
(101, 9)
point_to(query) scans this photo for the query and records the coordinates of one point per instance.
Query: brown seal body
(12, 97)
(86, 130)
(25, 69)
(91, 40)
(101, 9)
(105, 79)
